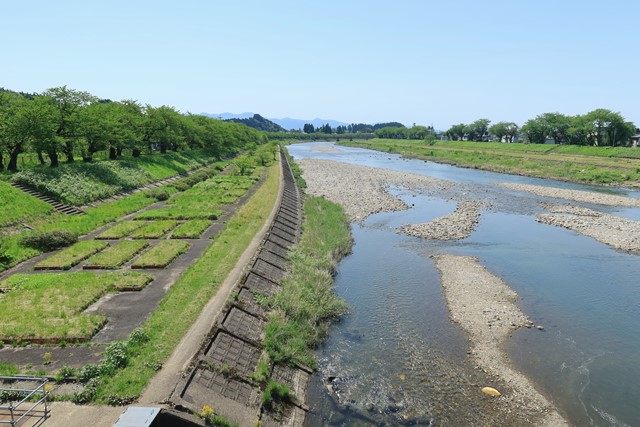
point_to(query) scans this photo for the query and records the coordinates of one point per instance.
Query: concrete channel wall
(220, 375)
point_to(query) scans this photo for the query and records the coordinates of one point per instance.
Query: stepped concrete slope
(220, 374)
(60, 207)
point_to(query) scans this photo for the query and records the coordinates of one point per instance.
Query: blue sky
(426, 62)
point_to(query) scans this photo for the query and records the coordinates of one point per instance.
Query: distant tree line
(353, 128)
(69, 123)
(600, 127)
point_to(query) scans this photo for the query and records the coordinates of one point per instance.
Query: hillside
(258, 122)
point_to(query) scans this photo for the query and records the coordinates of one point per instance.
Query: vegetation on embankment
(601, 165)
(307, 303)
(82, 183)
(13, 249)
(186, 298)
(50, 306)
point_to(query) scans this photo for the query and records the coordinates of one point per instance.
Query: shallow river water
(396, 355)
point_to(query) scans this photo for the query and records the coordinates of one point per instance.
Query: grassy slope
(18, 206)
(78, 224)
(72, 255)
(161, 254)
(80, 183)
(191, 229)
(117, 254)
(603, 165)
(307, 302)
(50, 305)
(185, 300)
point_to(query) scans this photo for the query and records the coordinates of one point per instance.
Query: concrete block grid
(221, 374)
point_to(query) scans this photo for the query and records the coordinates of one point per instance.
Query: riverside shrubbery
(46, 241)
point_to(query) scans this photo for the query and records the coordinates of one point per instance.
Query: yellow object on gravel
(490, 391)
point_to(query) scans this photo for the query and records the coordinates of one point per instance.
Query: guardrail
(32, 401)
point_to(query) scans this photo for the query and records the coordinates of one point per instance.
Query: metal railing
(32, 401)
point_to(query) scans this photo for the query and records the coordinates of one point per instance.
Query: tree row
(70, 123)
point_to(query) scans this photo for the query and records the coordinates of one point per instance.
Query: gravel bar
(575, 195)
(485, 307)
(362, 190)
(620, 233)
(455, 226)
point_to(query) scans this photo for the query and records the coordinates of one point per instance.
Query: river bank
(601, 165)
(398, 357)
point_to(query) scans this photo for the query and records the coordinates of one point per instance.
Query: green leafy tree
(68, 102)
(308, 128)
(477, 130)
(506, 131)
(456, 132)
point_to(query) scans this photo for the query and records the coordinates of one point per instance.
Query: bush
(66, 373)
(115, 357)
(160, 194)
(49, 240)
(5, 258)
(88, 392)
(89, 372)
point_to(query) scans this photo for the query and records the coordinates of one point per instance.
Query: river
(397, 352)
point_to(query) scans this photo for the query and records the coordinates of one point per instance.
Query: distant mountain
(258, 122)
(287, 122)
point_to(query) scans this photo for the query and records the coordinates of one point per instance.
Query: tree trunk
(136, 152)
(40, 157)
(163, 148)
(13, 158)
(68, 151)
(119, 151)
(1, 161)
(113, 154)
(53, 156)
(87, 158)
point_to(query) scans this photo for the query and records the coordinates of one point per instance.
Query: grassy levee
(18, 206)
(185, 300)
(117, 254)
(67, 258)
(12, 252)
(600, 165)
(161, 254)
(77, 224)
(191, 229)
(80, 183)
(307, 303)
(48, 307)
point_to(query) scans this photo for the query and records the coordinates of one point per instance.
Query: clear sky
(429, 62)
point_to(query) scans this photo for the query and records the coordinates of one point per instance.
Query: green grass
(81, 183)
(120, 230)
(77, 224)
(8, 369)
(117, 254)
(601, 165)
(67, 258)
(18, 206)
(154, 229)
(306, 304)
(161, 254)
(186, 298)
(49, 306)
(203, 200)
(192, 229)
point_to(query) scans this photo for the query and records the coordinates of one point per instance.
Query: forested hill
(260, 123)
